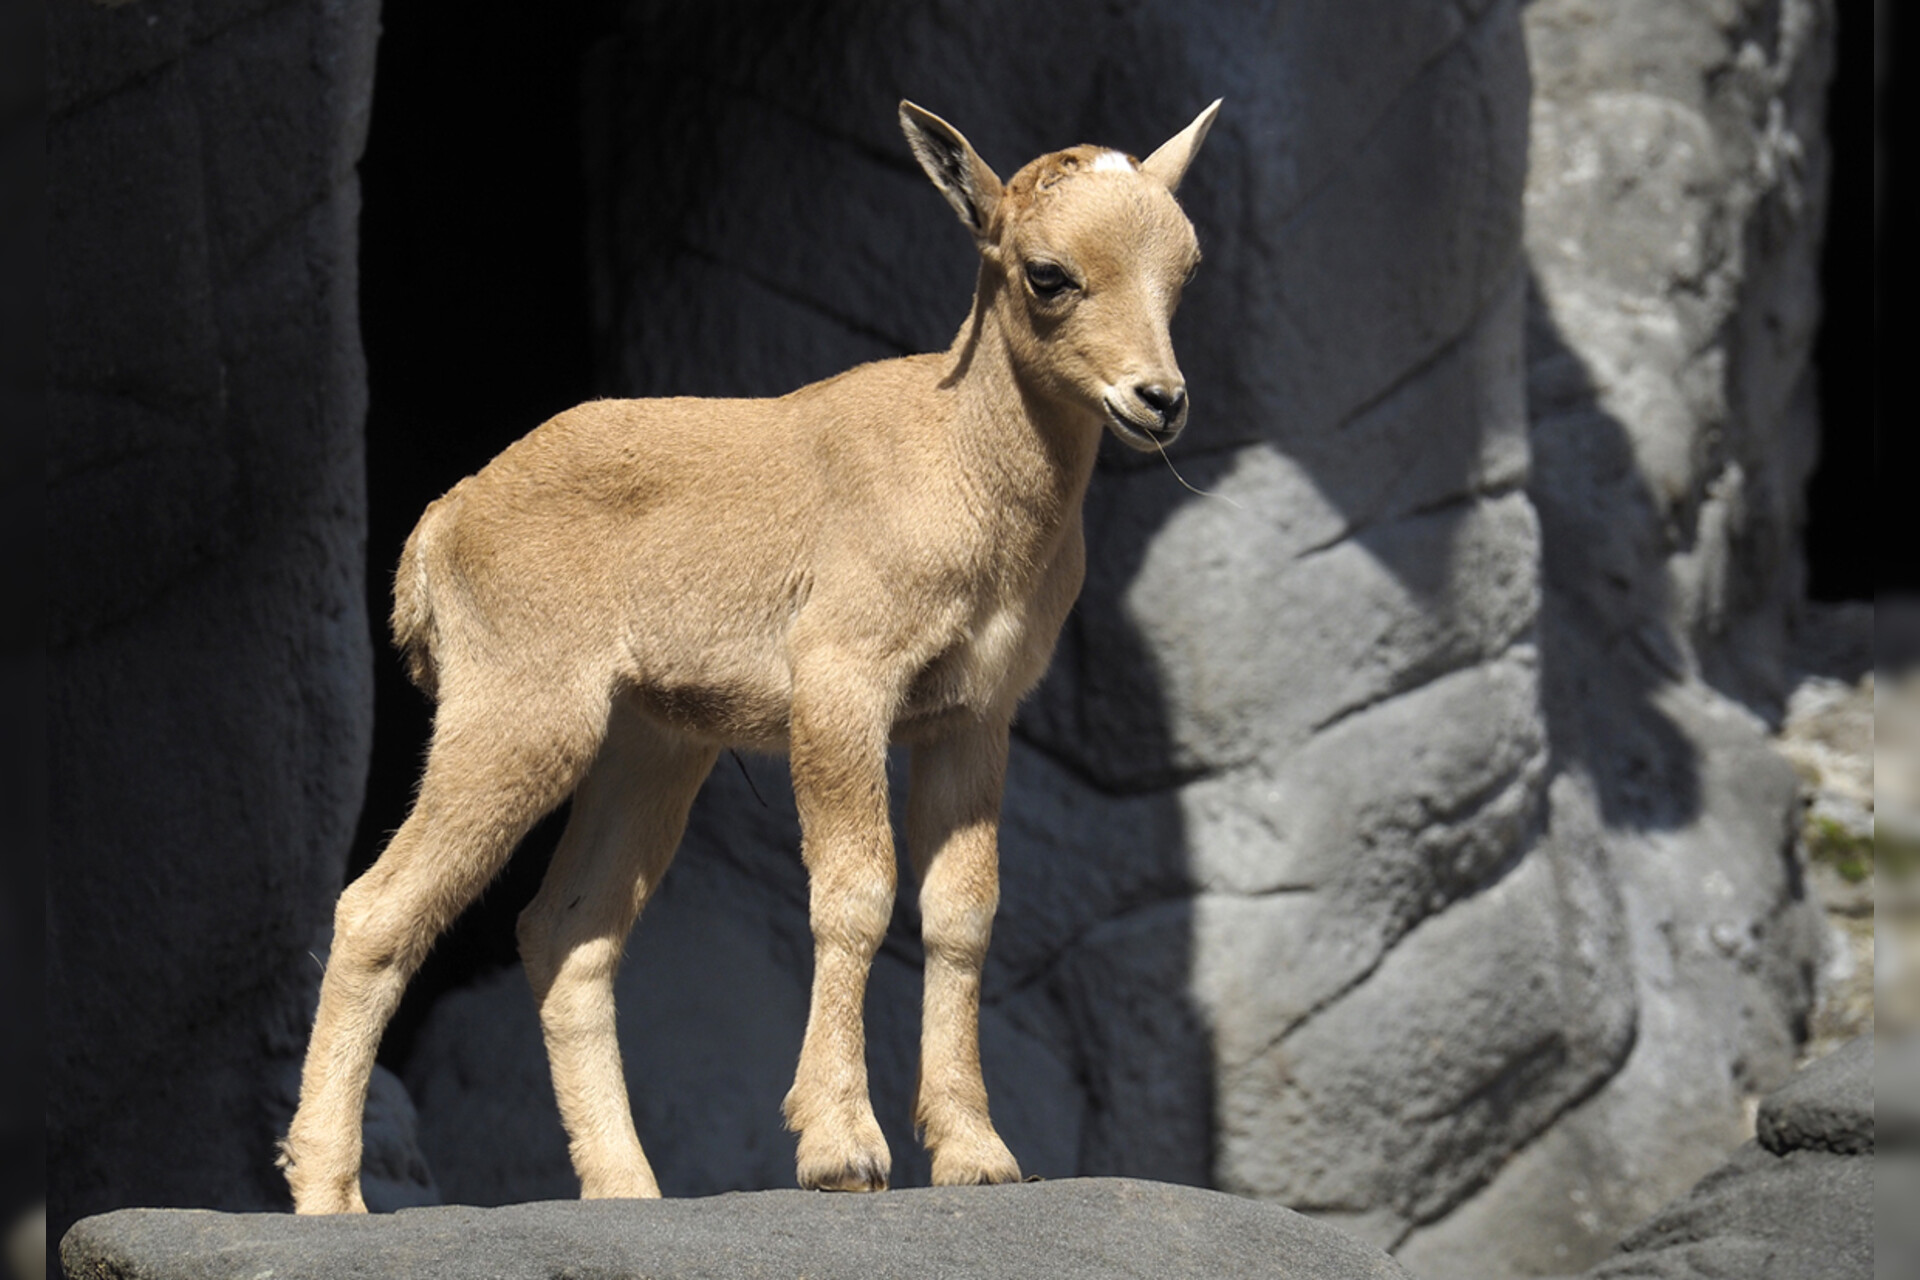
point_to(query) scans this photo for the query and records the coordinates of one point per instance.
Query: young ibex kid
(883, 557)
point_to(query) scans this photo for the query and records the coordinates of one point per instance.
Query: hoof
(316, 1189)
(974, 1164)
(864, 1174)
(850, 1162)
(313, 1197)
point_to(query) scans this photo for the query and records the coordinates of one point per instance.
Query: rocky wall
(1395, 837)
(1674, 205)
(208, 658)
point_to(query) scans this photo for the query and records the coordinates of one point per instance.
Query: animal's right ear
(1169, 163)
(956, 168)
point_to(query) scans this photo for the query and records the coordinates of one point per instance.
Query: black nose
(1162, 401)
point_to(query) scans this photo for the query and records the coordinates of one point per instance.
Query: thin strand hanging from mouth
(1199, 493)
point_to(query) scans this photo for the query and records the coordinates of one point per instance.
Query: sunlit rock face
(1675, 201)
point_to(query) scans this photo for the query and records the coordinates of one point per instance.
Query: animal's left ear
(1169, 163)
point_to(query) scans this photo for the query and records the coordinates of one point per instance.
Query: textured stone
(1488, 1020)
(1673, 207)
(1722, 945)
(1256, 648)
(1048, 901)
(1411, 271)
(1805, 1216)
(1318, 874)
(1674, 210)
(1080, 1227)
(1141, 1046)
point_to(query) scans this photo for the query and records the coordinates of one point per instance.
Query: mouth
(1144, 437)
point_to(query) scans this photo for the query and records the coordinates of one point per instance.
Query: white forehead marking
(1111, 162)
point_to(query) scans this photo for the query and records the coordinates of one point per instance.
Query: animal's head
(1086, 252)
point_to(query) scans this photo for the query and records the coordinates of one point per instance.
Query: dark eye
(1047, 279)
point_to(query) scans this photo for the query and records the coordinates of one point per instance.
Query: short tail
(413, 622)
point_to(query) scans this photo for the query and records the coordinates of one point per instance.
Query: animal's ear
(955, 167)
(1169, 163)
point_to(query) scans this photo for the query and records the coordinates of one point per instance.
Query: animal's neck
(1026, 451)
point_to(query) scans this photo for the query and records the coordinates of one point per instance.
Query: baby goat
(883, 557)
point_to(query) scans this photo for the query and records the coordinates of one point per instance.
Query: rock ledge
(1073, 1227)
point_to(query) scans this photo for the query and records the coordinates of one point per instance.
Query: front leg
(842, 716)
(953, 819)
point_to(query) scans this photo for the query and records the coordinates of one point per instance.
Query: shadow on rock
(1605, 646)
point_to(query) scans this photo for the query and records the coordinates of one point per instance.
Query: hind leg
(489, 777)
(627, 820)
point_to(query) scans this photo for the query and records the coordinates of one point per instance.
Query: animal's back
(571, 550)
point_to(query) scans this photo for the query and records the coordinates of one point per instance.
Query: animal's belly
(737, 695)
(720, 715)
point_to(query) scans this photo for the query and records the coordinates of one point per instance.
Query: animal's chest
(1000, 653)
(989, 666)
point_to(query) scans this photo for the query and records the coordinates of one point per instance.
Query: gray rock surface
(1675, 205)
(1843, 757)
(1796, 1205)
(1045, 1231)
(209, 700)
